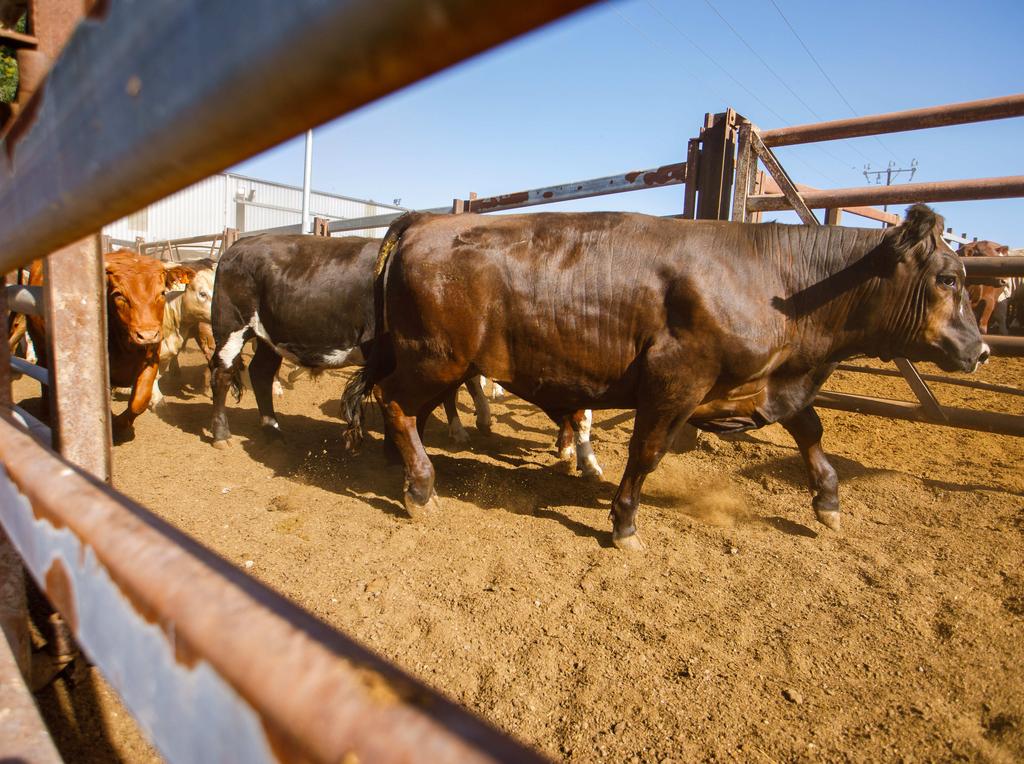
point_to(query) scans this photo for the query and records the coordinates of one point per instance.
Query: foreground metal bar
(942, 379)
(76, 329)
(214, 665)
(991, 266)
(940, 191)
(899, 121)
(635, 180)
(25, 299)
(24, 738)
(967, 419)
(169, 119)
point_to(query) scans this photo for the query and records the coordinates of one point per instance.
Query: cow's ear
(179, 274)
(921, 228)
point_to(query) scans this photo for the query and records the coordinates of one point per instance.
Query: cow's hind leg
(480, 403)
(805, 427)
(262, 373)
(405, 408)
(451, 411)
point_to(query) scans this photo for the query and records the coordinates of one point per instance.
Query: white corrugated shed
(236, 201)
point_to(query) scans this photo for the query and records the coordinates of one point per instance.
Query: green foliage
(9, 69)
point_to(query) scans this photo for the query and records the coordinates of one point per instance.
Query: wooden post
(716, 165)
(833, 215)
(692, 178)
(746, 169)
(321, 227)
(76, 328)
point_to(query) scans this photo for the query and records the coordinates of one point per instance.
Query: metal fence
(213, 665)
(754, 147)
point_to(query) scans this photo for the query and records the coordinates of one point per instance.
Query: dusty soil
(746, 631)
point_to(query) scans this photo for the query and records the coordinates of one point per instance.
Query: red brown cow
(729, 326)
(988, 295)
(135, 313)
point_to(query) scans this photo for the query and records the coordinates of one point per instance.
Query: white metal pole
(306, 175)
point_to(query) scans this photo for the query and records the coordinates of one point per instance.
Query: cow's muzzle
(145, 336)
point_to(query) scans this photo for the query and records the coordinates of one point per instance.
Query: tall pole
(306, 175)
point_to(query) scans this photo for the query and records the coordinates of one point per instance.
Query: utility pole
(307, 173)
(889, 172)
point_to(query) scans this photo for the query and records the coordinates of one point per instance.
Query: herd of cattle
(724, 326)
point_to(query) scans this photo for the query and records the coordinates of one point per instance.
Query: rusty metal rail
(214, 665)
(938, 191)
(994, 266)
(635, 180)
(966, 112)
(169, 121)
(967, 419)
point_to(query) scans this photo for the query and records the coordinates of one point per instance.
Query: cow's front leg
(652, 432)
(805, 427)
(122, 424)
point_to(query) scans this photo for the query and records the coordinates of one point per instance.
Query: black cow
(310, 299)
(729, 326)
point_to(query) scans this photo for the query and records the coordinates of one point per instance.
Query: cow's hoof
(222, 445)
(828, 518)
(122, 435)
(628, 543)
(591, 469)
(272, 434)
(484, 428)
(418, 512)
(459, 436)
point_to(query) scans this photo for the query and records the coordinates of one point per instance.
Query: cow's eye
(946, 279)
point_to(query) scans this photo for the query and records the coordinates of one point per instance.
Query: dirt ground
(745, 632)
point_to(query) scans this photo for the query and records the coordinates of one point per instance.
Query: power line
(766, 65)
(738, 82)
(824, 73)
(777, 76)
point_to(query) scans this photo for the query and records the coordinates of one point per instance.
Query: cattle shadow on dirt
(791, 470)
(947, 485)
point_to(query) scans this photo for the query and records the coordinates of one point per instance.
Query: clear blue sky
(619, 86)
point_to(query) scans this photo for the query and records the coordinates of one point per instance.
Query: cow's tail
(361, 383)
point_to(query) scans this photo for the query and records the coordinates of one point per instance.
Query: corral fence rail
(212, 664)
(722, 181)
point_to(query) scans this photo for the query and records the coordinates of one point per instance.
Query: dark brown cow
(135, 314)
(730, 326)
(989, 296)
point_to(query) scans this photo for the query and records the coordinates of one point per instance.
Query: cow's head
(922, 300)
(196, 300)
(983, 248)
(135, 295)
